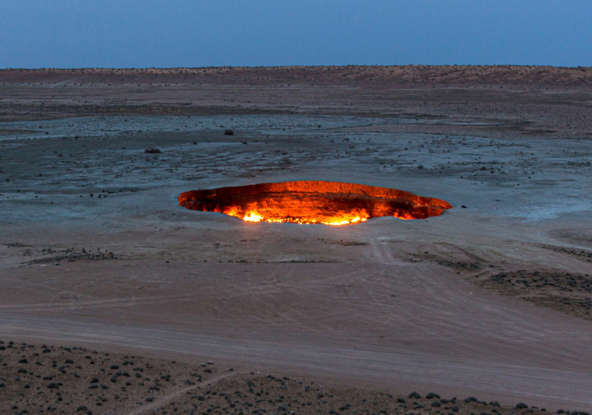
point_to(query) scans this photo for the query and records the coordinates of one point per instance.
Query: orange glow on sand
(312, 202)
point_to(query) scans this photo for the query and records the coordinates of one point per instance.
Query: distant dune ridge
(462, 75)
(489, 101)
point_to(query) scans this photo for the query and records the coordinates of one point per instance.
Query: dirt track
(422, 305)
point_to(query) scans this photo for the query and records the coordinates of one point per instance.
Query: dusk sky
(152, 33)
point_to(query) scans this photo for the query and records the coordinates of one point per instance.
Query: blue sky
(147, 33)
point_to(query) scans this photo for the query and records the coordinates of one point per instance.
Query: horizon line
(123, 68)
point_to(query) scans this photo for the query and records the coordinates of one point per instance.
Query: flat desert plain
(115, 300)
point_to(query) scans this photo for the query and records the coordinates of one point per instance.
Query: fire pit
(312, 202)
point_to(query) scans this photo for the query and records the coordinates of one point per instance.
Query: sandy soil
(65, 380)
(49, 379)
(492, 299)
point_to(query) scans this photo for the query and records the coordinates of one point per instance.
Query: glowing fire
(252, 217)
(312, 202)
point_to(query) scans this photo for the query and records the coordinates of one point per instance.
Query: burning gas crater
(312, 202)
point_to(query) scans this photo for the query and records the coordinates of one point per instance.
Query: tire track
(172, 396)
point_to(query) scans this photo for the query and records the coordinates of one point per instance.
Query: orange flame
(312, 202)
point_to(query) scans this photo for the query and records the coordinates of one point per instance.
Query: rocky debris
(69, 380)
(563, 291)
(258, 394)
(50, 255)
(540, 280)
(464, 263)
(581, 254)
(567, 292)
(17, 245)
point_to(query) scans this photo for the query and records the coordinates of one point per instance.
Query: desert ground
(485, 309)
